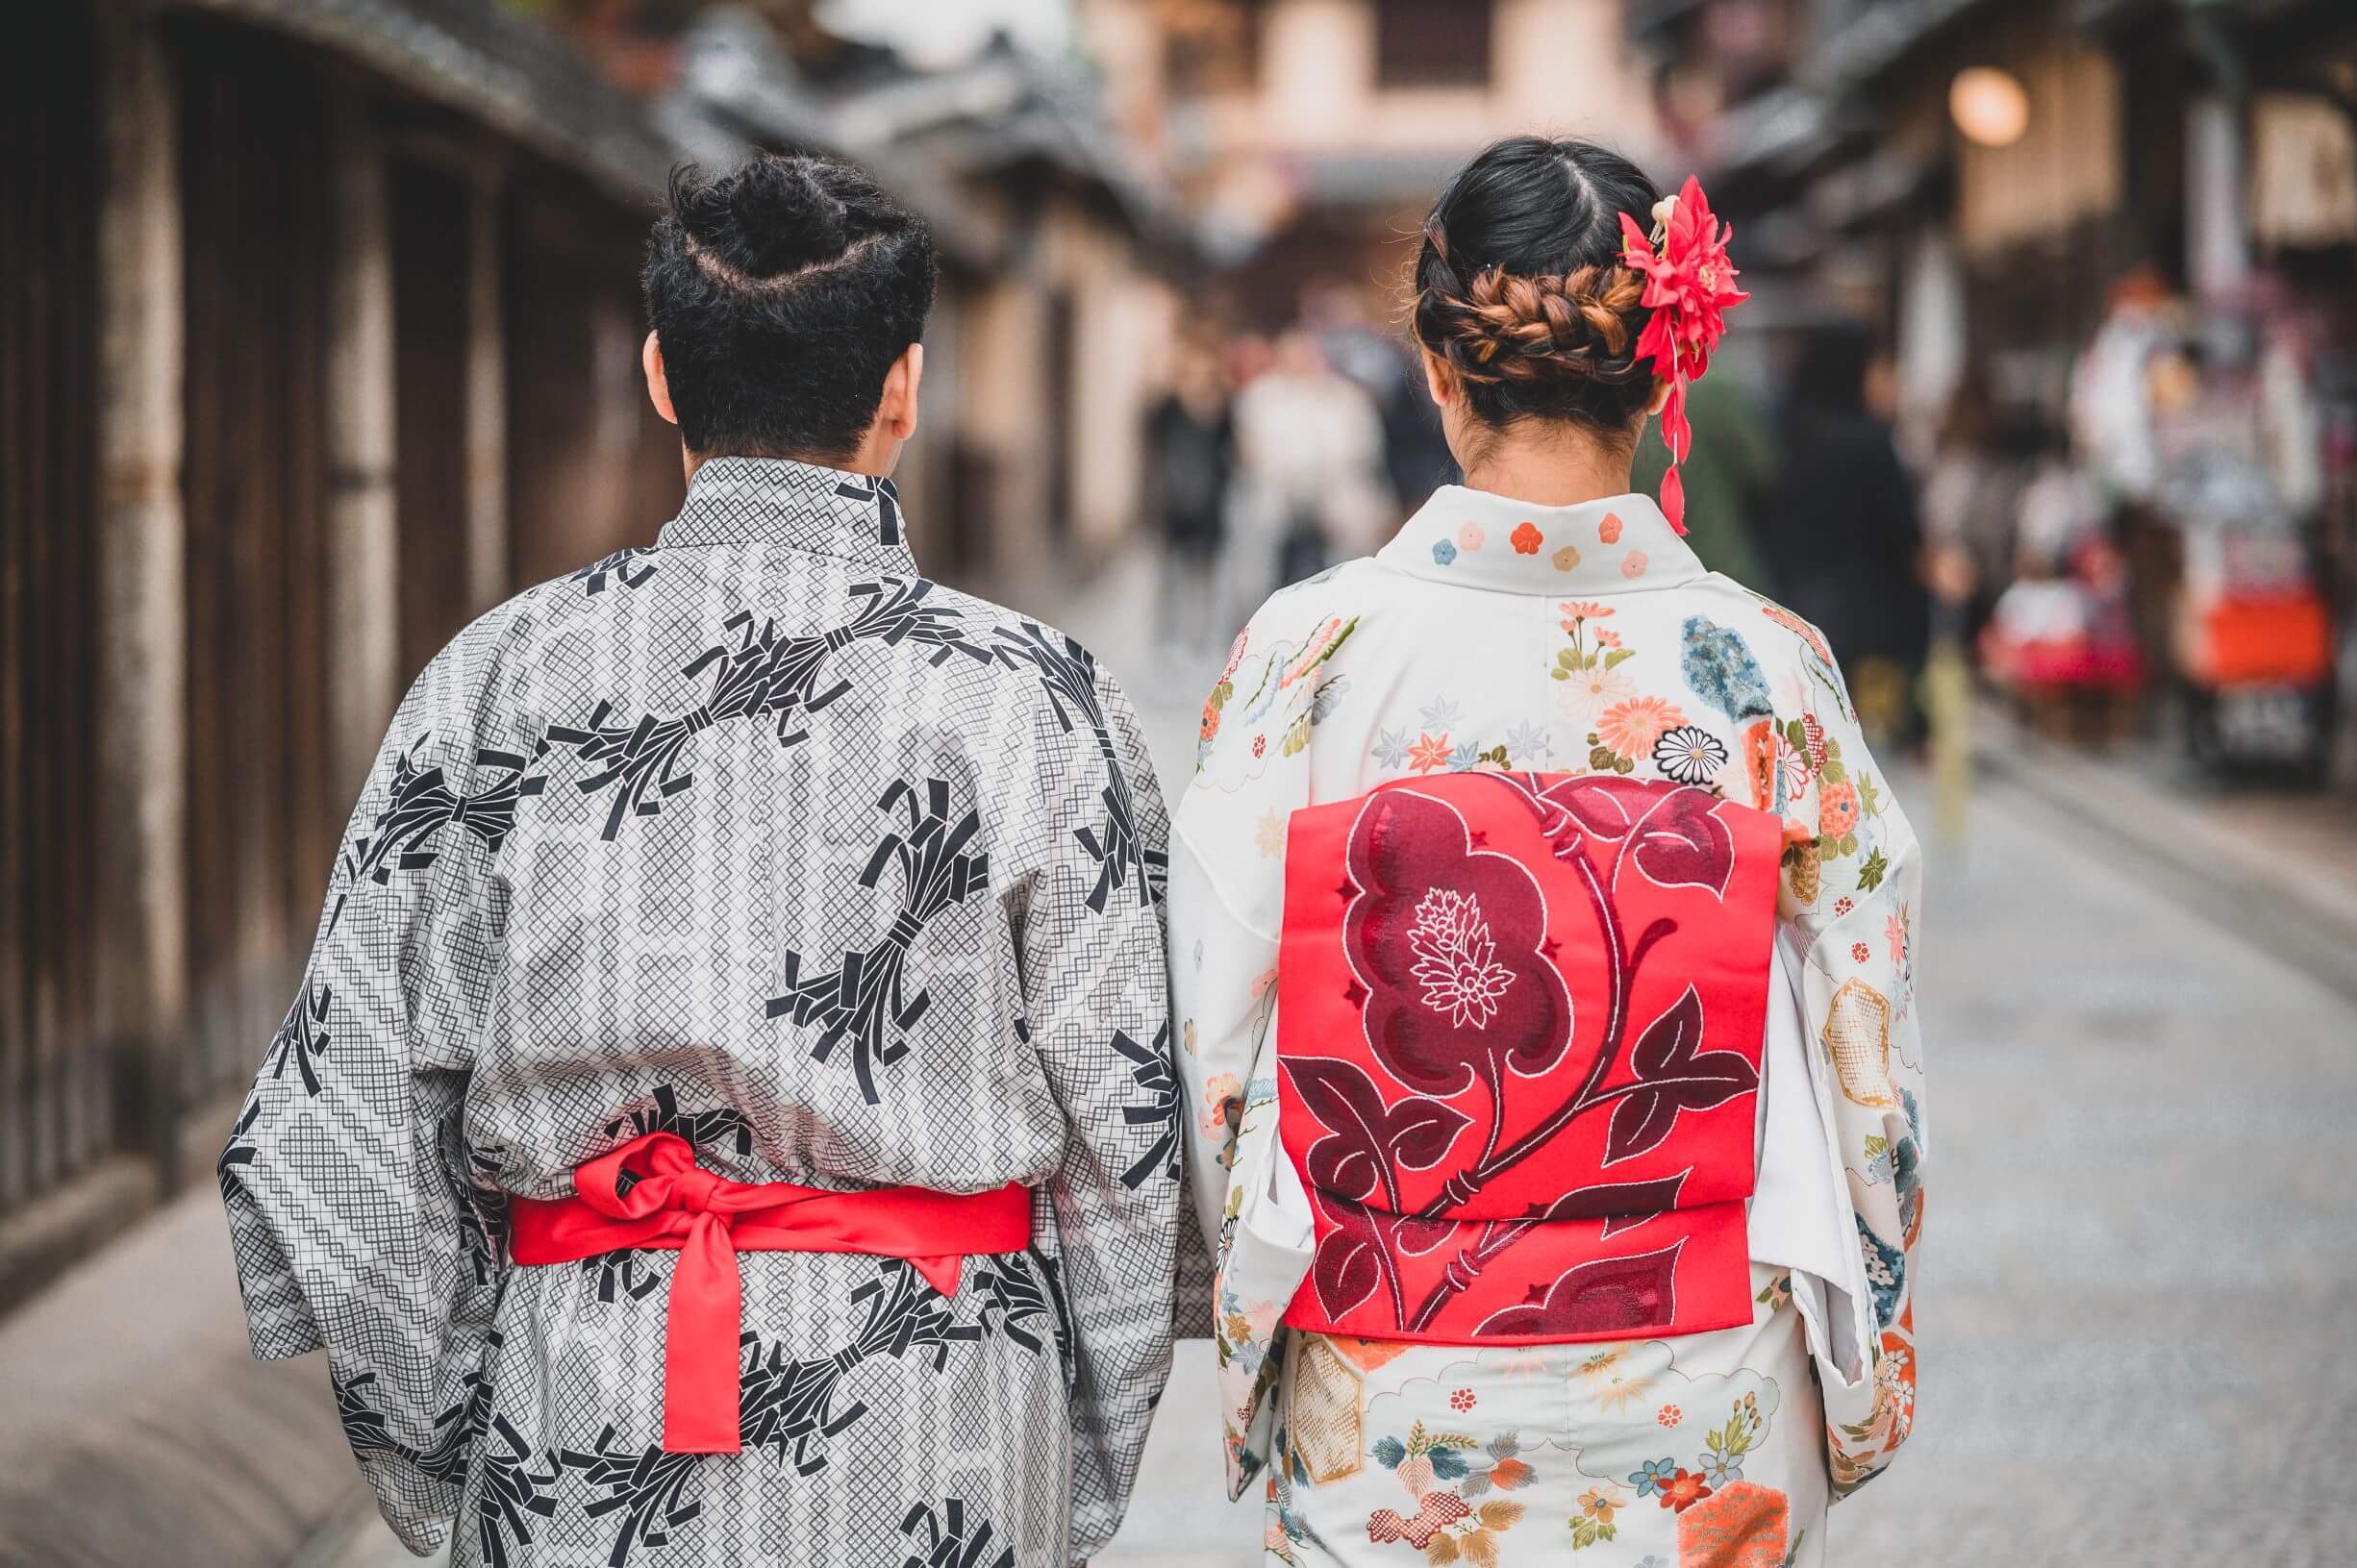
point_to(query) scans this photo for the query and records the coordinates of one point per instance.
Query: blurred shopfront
(2125, 231)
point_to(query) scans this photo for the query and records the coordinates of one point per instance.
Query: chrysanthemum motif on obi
(1456, 959)
(1520, 1032)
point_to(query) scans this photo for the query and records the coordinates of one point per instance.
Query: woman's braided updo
(1520, 286)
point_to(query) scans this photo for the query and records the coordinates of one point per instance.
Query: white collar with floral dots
(1473, 538)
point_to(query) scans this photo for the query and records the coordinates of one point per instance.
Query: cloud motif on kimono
(1624, 1441)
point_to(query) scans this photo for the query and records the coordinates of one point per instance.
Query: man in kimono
(728, 1117)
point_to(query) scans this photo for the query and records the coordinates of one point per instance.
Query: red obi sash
(1520, 1026)
(673, 1205)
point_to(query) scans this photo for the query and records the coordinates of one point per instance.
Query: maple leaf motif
(1456, 959)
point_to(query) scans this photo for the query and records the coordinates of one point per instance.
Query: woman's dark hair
(1519, 285)
(781, 293)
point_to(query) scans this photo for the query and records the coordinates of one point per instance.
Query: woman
(1523, 861)
(728, 1116)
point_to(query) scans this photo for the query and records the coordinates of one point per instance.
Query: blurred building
(319, 334)
(1992, 184)
(1311, 135)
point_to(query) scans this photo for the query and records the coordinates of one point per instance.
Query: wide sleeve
(355, 1222)
(1852, 894)
(1097, 999)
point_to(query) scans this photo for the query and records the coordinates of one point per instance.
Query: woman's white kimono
(1490, 634)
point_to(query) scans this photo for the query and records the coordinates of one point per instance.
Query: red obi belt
(671, 1205)
(1519, 1025)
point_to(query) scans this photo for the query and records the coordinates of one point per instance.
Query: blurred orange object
(2278, 637)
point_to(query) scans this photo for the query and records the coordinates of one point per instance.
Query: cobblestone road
(2136, 1316)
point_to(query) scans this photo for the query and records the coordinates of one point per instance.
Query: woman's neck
(1549, 469)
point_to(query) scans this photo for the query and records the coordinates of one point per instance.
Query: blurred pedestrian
(1311, 447)
(1727, 477)
(602, 1149)
(1841, 531)
(1190, 467)
(1551, 1035)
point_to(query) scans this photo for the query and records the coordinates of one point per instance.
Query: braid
(1505, 327)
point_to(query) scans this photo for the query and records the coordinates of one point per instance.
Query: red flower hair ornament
(1689, 286)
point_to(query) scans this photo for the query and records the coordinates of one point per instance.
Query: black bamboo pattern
(1151, 1071)
(1019, 1302)
(653, 1491)
(788, 1404)
(406, 834)
(888, 504)
(510, 1492)
(947, 1539)
(619, 1274)
(303, 1037)
(363, 1425)
(866, 999)
(763, 675)
(629, 566)
(241, 1151)
(698, 1127)
(1068, 673)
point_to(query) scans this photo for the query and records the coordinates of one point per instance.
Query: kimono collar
(854, 517)
(1476, 539)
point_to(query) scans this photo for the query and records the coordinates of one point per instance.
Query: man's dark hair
(781, 293)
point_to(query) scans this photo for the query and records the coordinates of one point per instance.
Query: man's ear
(1440, 378)
(896, 410)
(658, 384)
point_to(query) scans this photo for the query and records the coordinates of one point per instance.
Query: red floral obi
(1519, 1035)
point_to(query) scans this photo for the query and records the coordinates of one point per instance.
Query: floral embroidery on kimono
(757, 838)
(1494, 635)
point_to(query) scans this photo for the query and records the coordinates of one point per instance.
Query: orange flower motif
(1837, 808)
(1633, 565)
(1527, 539)
(1429, 752)
(1743, 1525)
(1608, 639)
(1582, 609)
(1567, 558)
(1671, 1415)
(1860, 951)
(1683, 1491)
(1609, 530)
(1631, 728)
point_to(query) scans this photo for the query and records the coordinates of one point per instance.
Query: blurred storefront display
(2113, 245)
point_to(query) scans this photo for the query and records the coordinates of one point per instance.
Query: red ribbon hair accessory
(1689, 286)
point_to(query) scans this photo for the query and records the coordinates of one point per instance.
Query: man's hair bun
(781, 293)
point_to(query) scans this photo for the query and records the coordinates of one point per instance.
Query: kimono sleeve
(356, 1225)
(1097, 999)
(1852, 892)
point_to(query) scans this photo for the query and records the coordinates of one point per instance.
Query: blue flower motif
(1717, 663)
(1527, 744)
(1653, 1559)
(1466, 756)
(1441, 717)
(1718, 1468)
(1654, 1476)
(1443, 553)
(1391, 749)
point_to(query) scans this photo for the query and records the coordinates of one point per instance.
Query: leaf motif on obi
(1365, 1137)
(1675, 836)
(1348, 1265)
(1611, 1295)
(1446, 939)
(1673, 1074)
(1621, 1206)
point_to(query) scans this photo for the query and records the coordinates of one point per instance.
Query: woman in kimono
(728, 1116)
(1542, 941)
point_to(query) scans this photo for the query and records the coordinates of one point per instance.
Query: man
(729, 1115)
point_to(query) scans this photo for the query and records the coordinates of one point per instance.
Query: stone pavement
(2135, 1321)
